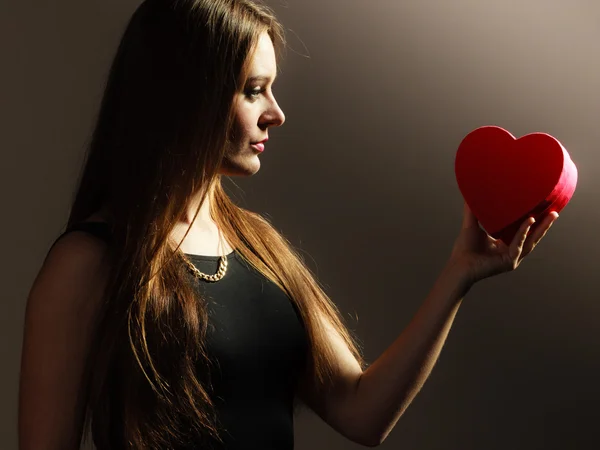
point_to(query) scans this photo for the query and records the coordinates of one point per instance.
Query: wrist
(459, 276)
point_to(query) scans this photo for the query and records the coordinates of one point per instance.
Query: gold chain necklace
(221, 271)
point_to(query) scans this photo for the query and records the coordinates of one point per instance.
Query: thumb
(469, 219)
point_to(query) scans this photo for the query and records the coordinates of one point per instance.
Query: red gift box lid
(504, 180)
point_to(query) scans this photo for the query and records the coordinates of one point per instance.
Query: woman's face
(255, 110)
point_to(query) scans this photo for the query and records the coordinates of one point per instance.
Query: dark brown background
(361, 178)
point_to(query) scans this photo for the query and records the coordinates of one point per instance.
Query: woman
(165, 316)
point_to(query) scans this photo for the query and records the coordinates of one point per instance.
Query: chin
(240, 167)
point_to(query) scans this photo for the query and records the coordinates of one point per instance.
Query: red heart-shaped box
(504, 180)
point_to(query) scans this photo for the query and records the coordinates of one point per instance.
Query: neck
(203, 236)
(203, 219)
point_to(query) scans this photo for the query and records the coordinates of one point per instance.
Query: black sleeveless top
(258, 341)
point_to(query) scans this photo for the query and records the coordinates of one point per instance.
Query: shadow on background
(361, 179)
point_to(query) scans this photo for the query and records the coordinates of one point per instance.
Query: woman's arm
(365, 406)
(61, 309)
(388, 386)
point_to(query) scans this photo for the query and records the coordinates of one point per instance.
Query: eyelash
(254, 93)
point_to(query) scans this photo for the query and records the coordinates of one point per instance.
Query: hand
(481, 256)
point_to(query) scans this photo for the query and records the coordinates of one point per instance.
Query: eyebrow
(260, 78)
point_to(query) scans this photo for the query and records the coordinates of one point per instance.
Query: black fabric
(258, 342)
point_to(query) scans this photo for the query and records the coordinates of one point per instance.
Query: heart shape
(504, 180)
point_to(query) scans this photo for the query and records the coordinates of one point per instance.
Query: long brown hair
(159, 140)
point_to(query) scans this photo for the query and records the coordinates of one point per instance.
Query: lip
(260, 145)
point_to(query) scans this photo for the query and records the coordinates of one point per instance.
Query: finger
(469, 219)
(544, 227)
(539, 233)
(518, 242)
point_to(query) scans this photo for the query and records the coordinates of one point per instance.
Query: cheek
(240, 135)
(245, 122)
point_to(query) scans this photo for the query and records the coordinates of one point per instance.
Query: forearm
(388, 386)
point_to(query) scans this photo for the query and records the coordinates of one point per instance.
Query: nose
(274, 116)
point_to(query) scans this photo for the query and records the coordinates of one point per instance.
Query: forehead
(263, 61)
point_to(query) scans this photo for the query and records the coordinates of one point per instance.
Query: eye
(254, 93)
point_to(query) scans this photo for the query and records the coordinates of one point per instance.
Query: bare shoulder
(75, 266)
(70, 283)
(62, 308)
